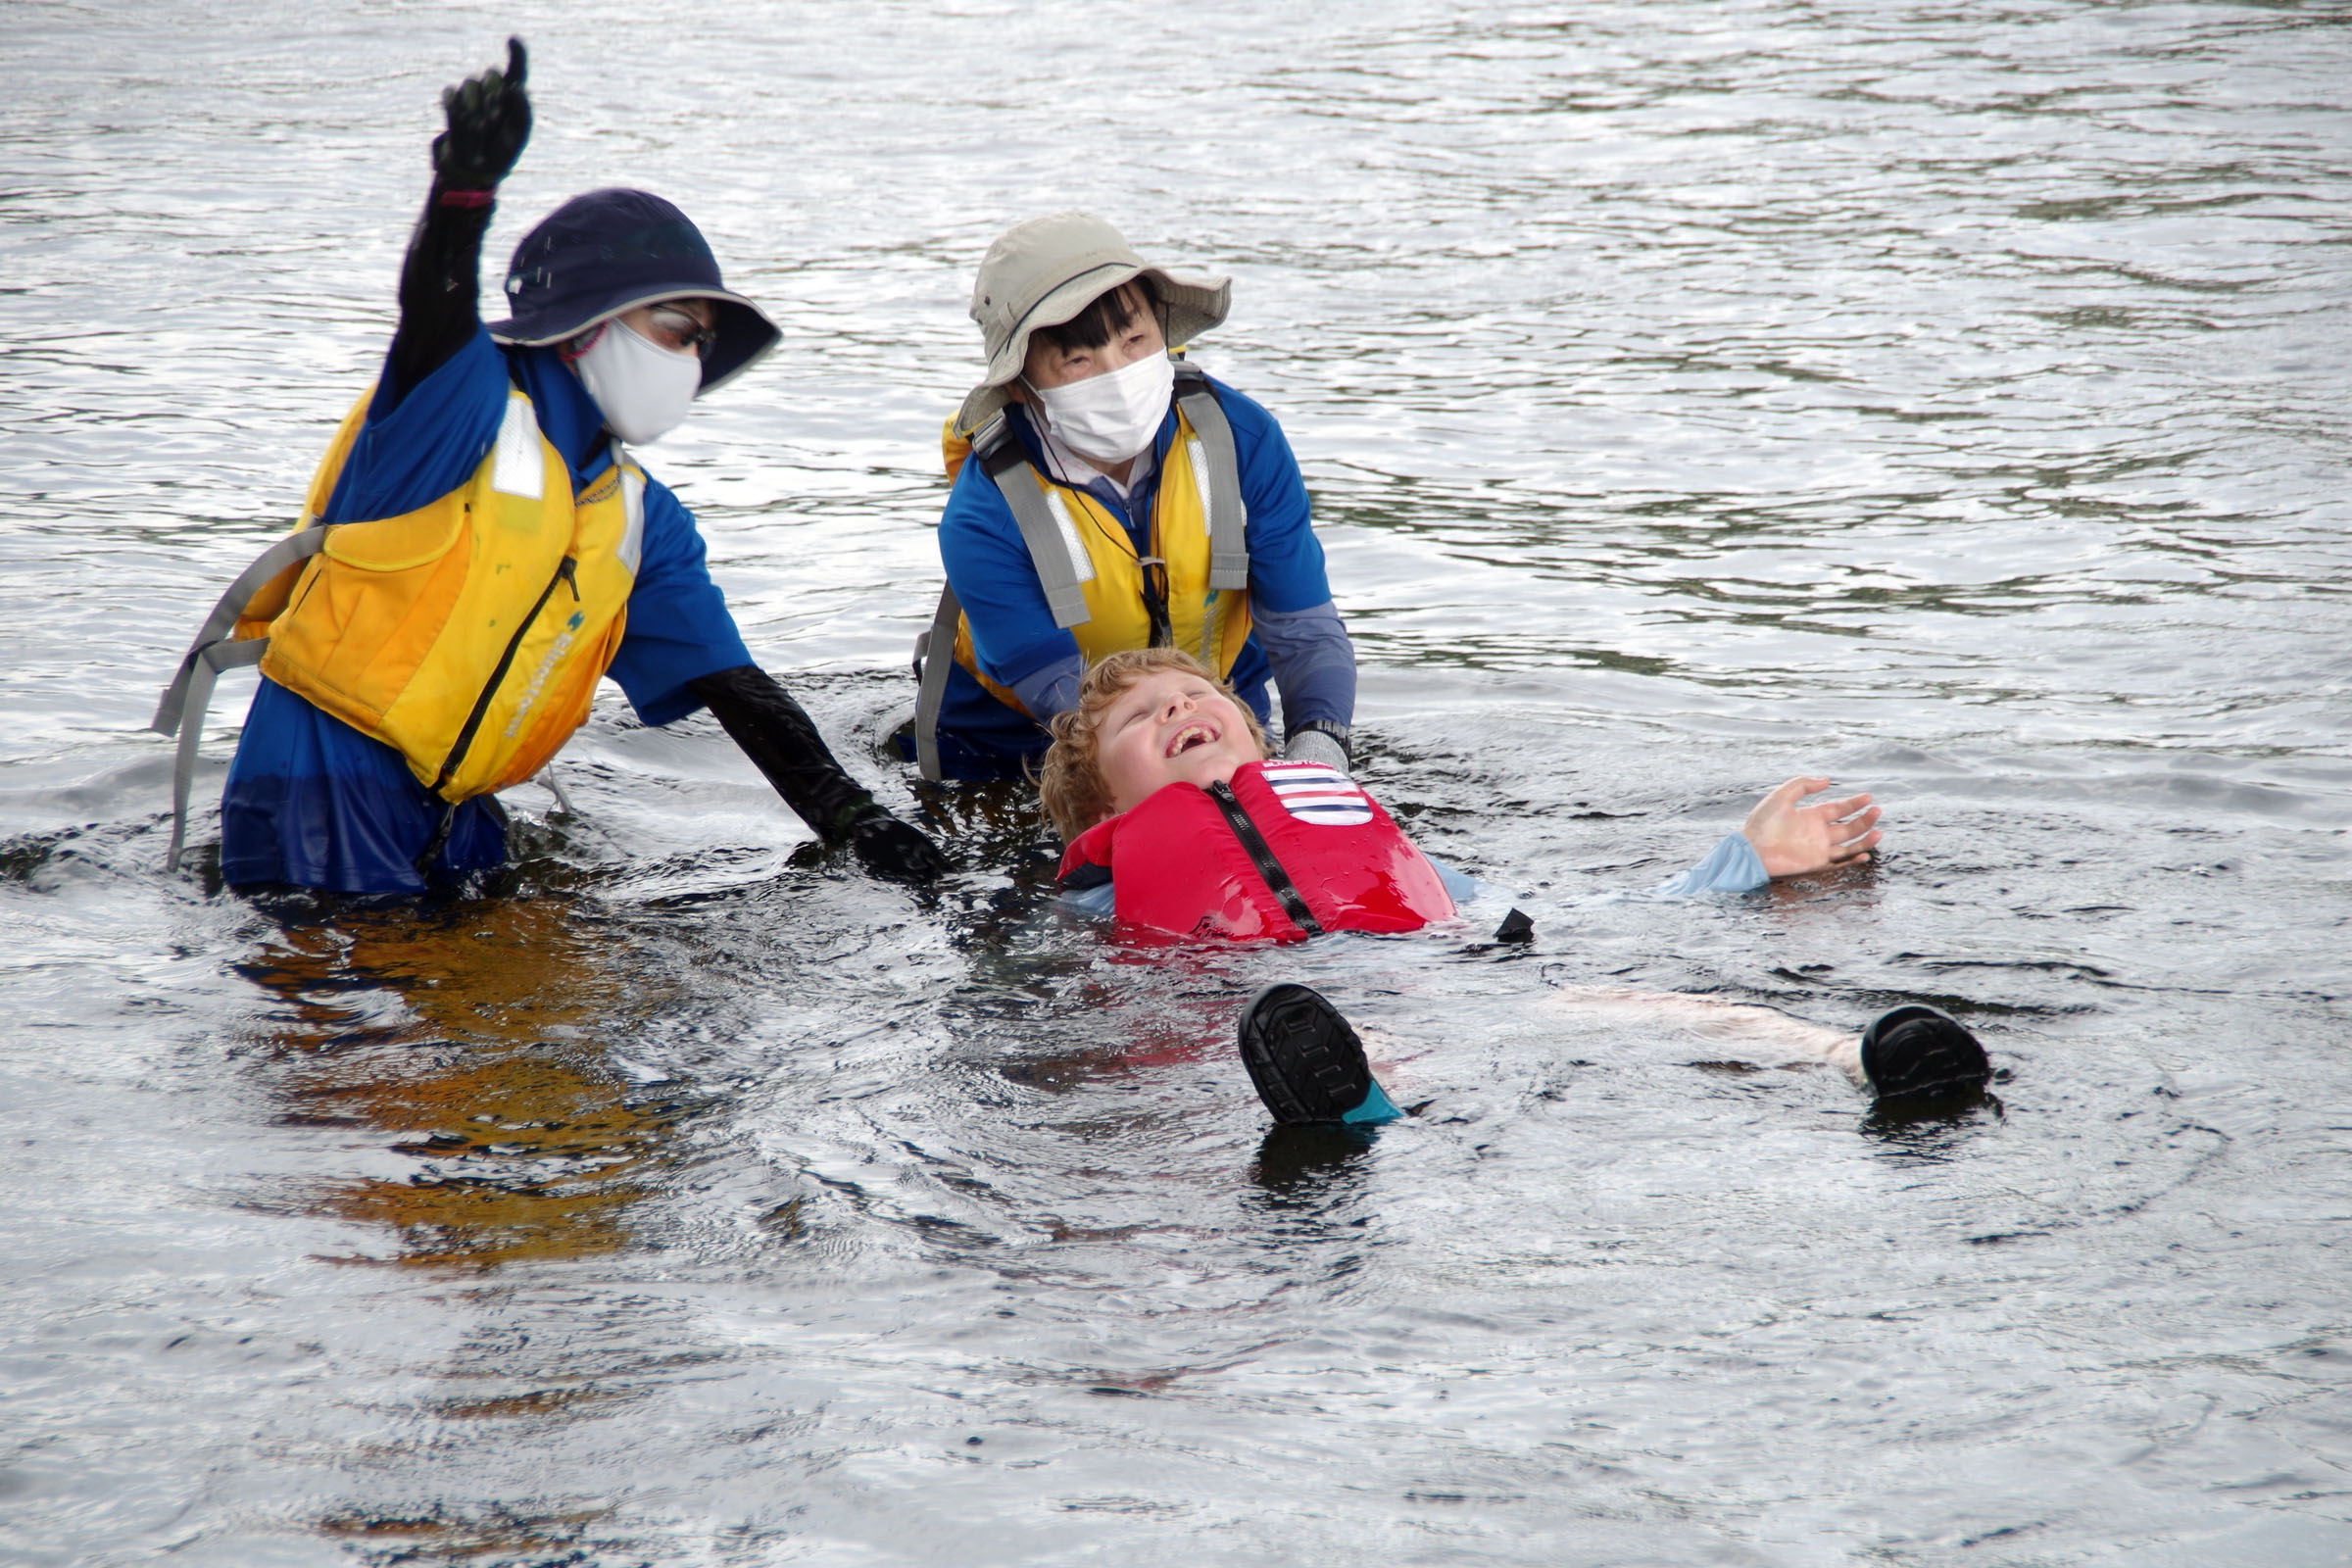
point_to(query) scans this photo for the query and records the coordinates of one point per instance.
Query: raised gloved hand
(888, 847)
(489, 121)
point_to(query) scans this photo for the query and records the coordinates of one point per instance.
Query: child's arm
(1794, 840)
(1781, 838)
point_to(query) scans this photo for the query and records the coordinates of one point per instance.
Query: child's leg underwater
(1912, 1053)
(1308, 1064)
(1732, 1023)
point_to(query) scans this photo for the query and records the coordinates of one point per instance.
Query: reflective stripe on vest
(468, 634)
(1178, 865)
(1086, 562)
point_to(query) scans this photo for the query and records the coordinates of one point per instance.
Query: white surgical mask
(1111, 417)
(642, 389)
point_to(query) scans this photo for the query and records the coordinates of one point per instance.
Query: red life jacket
(1325, 858)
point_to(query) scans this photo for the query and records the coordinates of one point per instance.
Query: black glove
(888, 847)
(489, 121)
(776, 734)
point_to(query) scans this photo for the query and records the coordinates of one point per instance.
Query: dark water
(1952, 399)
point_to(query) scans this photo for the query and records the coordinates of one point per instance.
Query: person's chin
(1208, 767)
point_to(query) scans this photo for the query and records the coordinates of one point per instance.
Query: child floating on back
(1175, 820)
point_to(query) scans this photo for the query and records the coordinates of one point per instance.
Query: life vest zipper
(1261, 855)
(481, 704)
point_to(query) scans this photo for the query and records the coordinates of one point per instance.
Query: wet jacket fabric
(313, 801)
(1179, 863)
(1011, 636)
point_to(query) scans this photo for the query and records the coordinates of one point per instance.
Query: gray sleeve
(1314, 662)
(1053, 689)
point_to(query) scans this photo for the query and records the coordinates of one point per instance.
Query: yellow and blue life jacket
(1189, 591)
(468, 634)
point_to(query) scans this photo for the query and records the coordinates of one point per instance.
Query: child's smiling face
(1170, 727)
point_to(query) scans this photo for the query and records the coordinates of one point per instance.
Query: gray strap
(1001, 456)
(936, 649)
(268, 564)
(195, 683)
(1228, 517)
(547, 776)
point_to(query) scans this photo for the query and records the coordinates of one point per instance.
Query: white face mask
(642, 389)
(1110, 418)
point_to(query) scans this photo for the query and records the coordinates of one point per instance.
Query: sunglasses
(675, 329)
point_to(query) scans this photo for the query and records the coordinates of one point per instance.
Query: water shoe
(1308, 1063)
(1917, 1052)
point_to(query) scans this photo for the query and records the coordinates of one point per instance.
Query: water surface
(1949, 399)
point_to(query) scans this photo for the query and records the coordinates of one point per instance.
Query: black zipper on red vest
(1261, 855)
(481, 704)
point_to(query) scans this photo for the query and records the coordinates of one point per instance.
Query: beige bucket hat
(1043, 271)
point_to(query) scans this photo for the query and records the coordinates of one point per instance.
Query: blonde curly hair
(1070, 782)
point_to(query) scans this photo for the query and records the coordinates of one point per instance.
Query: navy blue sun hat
(612, 251)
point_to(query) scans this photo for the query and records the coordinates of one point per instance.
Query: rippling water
(1952, 398)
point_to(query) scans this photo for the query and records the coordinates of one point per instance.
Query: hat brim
(744, 333)
(1191, 304)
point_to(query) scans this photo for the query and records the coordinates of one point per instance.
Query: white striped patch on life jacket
(1314, 791)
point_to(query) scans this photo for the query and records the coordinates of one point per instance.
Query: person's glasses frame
(679, 330)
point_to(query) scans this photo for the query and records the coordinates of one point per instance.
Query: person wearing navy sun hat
(608, 252)
(479, 547)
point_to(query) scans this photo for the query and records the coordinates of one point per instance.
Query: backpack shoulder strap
(1221, 493)
(934, 652)
(180, 710)
(290, 551)
(1055, 550)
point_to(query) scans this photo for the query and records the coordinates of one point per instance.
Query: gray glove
(1318, 742)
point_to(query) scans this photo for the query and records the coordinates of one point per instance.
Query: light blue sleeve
(1460, 886)
(1730, 866)
(1096, 901)
(1314, 662)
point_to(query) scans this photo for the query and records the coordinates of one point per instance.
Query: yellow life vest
(1209, 623)
(468, 634)
(1094, 580)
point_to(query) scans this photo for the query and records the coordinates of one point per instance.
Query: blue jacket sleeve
(1285, 558)
(679, 628)
(1052, 689)
(1289, 594)
(1730, 866)
(1098, 901)
(1314, 662)
(418, 448)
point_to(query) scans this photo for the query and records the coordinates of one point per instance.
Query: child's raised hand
(1792, 840)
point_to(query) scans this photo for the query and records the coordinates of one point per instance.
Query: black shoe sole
(1306, 1061)
(1918, 1051)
